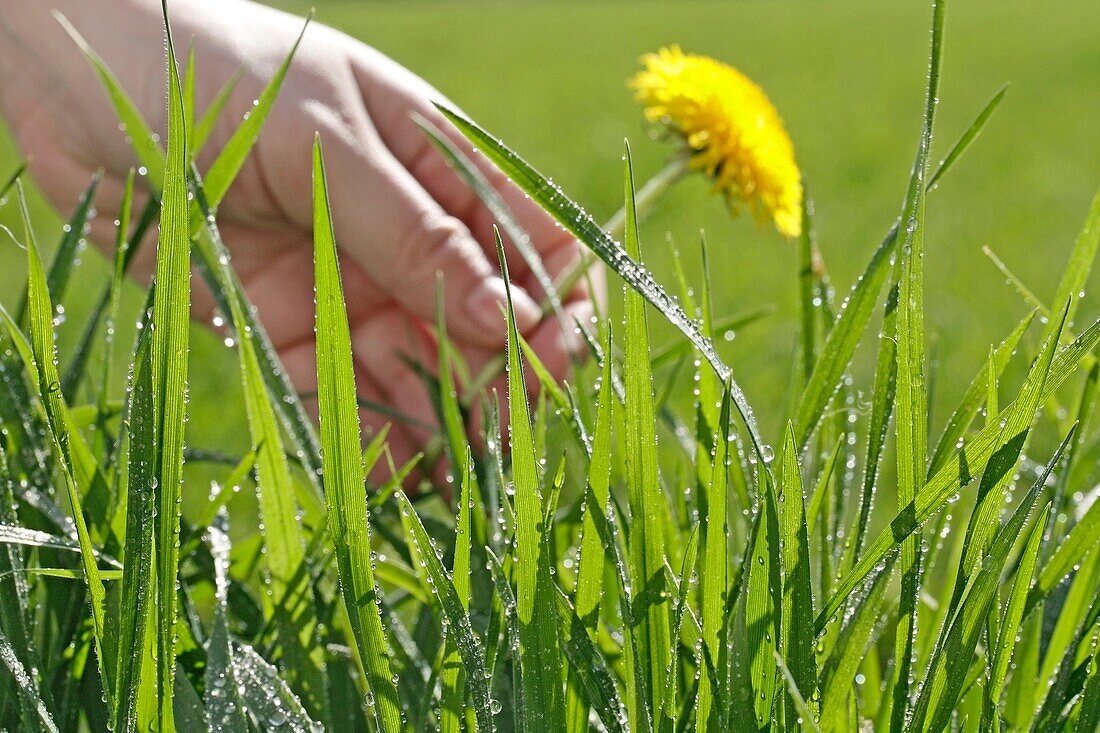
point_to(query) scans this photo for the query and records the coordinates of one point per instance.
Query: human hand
(401, 214)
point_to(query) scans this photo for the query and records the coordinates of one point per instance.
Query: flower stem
(647, 196)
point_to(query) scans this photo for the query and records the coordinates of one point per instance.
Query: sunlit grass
(628, 565)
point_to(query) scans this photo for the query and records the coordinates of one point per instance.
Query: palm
(402, 217)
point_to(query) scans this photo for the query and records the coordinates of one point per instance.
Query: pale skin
(401, 215)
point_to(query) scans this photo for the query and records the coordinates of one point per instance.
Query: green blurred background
(847, 77)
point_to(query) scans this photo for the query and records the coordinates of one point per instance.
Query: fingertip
(486, 305)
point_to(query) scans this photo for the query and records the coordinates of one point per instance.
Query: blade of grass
(969, 136)
(849, 651)
(911, 399)
(169, 347)
(132, 122)
(61, 266)
(974, 396)
(584, 227)
(714, 576)
(341, 457)
(955, 650)
(957, 472)
(476, 181)
(15, 621)
(40, 358)
(590, 561)
(648, 505)
(538, 642)
(222, 698)
(26, 689)
(267, 696)
(1076, 274)
(458, 621)
(797, 646)
(452, 708)
(589, 668)
(137, 622)
(200, 133)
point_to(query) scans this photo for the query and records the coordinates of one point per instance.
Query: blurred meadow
(550, 79)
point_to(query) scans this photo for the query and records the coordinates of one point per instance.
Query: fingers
(402, 237)
(391, 94)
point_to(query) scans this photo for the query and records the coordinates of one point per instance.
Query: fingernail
(486, 305)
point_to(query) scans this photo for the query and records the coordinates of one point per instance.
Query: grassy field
(549, 78)
(826, 562)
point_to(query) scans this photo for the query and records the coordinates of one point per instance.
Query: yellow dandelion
(733, 131)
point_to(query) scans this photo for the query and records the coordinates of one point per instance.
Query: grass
(638, 561)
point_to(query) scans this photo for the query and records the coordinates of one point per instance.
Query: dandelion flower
(733, 132)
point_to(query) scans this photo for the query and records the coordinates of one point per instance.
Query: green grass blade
(590, 561)
(40, 358)
(688, 579)
(802, 717)
(1066, 677)
(1071, 288)
(584, 227)
(133, 123)
(343, 475)
(959, 637)
(957, 472)
(267, 696)
(26, 689)
(63, 262)
(137, 622)
(15, 621)
(998, 473)
(589, 668)
(458, 621)
(200, 133)
(169, 343)
(974, 396)
(763, 594)
(714, 577)
(538, 642)
(223, 171)
(648, 505)
(849, 651)
(1082, 539)
(1010, 624)
(969, 136)
(840, 345)
(452, 708)
(78, 360)
(493, 202)
(797, 644)
(1090, 699)
(222, 698)
(911, 398)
